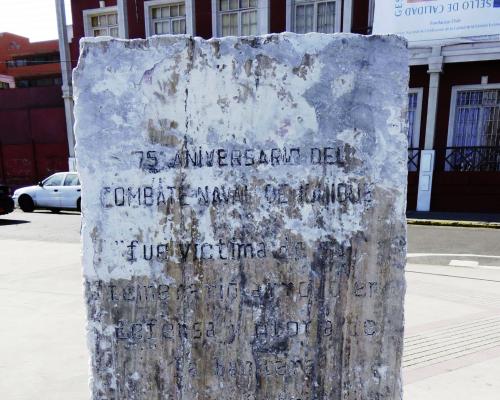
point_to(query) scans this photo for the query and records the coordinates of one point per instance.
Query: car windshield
(54, 180)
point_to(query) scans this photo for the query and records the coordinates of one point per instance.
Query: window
(43, 82)
(169, 17)
(477, 118)
(38, 59)
(71, 180)
(241, 17)
(238, 17)
(474, 129)
(105, 25)
(413, 116)
(17, 63)
(54, 180)
(314, 16)
(38, 82)
(101, 22)
(23, 83)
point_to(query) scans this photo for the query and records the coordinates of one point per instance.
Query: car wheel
(55, 210)
(79, 205)
(26, 203)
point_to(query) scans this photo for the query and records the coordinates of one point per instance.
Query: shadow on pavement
(454, 216)
(60, 212)
(12, 221)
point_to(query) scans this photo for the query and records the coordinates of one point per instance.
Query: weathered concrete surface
(243, 204)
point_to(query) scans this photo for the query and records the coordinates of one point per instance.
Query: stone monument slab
(243, 209)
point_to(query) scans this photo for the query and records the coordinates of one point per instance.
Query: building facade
(454, 97)
(33, 141)
(24, 64)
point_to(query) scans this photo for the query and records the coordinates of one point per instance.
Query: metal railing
(474, 158)
(413, 159)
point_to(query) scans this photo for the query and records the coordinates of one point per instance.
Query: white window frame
(453, 104)
(418, 115)
(371, 15)
(290, 13)
(95, 12)
(190, 14)
(9, 80)
(262, 18)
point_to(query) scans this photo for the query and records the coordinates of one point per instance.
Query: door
(49, 194)
(70, 191)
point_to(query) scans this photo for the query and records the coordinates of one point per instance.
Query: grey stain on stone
(164, 132)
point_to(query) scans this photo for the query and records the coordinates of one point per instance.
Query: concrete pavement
(43, 352)
(452, 341)
(452, 336)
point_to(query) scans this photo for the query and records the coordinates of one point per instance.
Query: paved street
(452, 344)
(440, 245)
(452, 340)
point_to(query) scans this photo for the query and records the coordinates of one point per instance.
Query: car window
(54, 180)
(71, 180)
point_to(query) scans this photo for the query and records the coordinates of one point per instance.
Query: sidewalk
(452, 334)
(474, 220)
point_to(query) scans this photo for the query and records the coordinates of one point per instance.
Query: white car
(61, 191)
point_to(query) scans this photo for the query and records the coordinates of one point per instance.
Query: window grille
(169, 19)
(477, 118)
(105, 25)
(475, 141)
(413, 133)
(315, 16)
(304, 18)
(411, 115)
(326, 17)
(238, 17)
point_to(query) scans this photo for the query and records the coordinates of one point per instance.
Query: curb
(463, 224)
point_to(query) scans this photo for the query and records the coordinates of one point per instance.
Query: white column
(289, 10)
(67, 87)
(123, 18)
(347, 19)
(427, 156)
(435, 70)
(215, 25)
(191, 18)
(263, 15)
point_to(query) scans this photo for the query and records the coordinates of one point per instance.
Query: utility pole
(67, 87)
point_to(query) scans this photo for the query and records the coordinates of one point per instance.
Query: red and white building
(33, 141)
(26, 64)
(454, 98)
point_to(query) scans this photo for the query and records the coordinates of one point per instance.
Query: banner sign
(420, 20)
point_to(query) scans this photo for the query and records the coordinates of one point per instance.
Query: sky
(35, 19)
